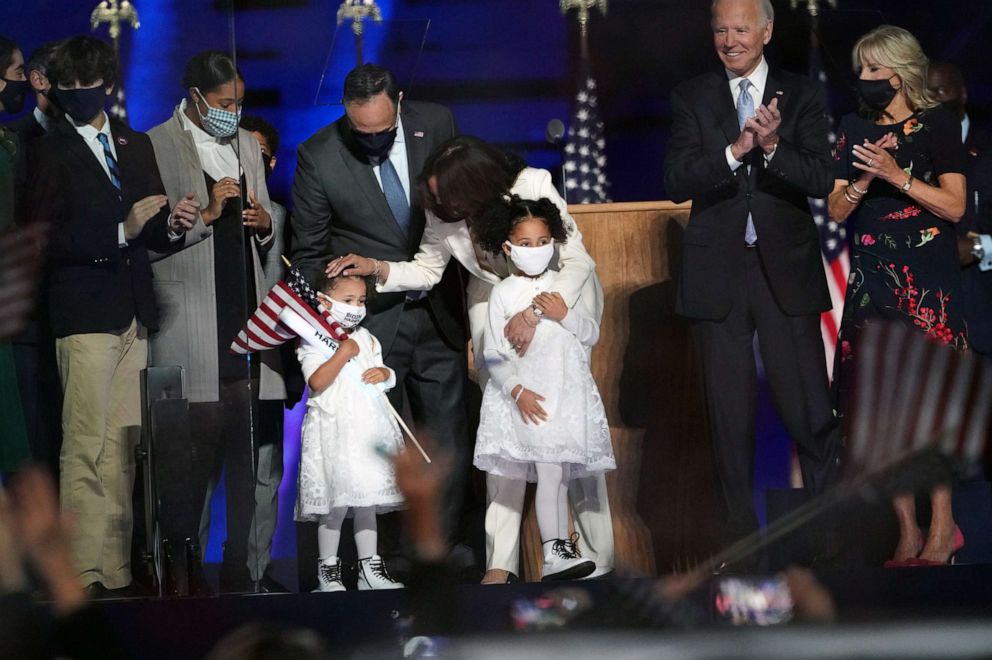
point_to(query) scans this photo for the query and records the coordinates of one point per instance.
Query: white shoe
(563, 561)
(372, 575)
(329, 575)
(599, 572)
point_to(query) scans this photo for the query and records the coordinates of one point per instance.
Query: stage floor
(866, 599)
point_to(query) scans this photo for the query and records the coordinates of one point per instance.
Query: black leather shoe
(96, 591)
(269, 585)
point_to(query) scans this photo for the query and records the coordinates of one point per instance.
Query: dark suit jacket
(978, 218)
(338, 207)
(28, 130)
(704, 123)
(95, 285)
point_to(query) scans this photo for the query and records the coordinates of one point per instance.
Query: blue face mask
(217, 122)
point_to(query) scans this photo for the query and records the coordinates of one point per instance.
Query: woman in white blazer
(459, 181)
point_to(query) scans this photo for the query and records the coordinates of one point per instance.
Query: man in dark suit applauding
(748, 146)
(96, 183)
(355, 192)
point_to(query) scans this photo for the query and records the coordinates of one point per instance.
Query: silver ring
(871, 162)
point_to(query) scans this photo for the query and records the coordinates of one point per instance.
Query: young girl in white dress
(542, 417)
(346, 438)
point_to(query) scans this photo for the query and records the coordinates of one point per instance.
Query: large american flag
(271, 325)
(833, 236)
(585, 154)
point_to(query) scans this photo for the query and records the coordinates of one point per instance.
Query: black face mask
(375, 145)
(876, 94)
(12, 95)
(81, 105)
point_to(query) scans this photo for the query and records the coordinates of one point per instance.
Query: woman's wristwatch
(537, 311)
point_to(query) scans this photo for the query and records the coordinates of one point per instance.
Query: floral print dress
(904, 263)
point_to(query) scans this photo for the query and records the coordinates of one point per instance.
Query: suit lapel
(366, 182)
(86, 159)
(723, 103)
(417, 143)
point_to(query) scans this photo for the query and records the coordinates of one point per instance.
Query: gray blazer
(184, 281)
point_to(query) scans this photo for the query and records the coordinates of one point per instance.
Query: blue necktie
(108, 155)
(745, 110)
(392, 187)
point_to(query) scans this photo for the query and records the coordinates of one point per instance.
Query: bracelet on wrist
(861, 193)
(520, 391)
(375, 269)
(909, 184)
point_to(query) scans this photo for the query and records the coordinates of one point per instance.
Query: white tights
(551, 502)
(366, 532)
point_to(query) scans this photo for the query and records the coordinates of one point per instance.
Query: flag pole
(385, 401)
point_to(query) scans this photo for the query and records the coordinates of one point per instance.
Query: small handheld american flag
(264, 329)
(290, 310)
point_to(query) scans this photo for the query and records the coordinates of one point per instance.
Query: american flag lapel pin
(122, 140)
(418, 134)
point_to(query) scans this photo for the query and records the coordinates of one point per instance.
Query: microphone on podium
(555, 132)
(555, 135)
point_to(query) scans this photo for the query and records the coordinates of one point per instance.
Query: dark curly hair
(498, 221)
(471, 174)
(325, 284)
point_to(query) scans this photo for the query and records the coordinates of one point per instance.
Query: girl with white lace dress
(542, 416)
(347, 437)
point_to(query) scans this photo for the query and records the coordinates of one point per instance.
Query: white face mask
(347, 316)
(531, 260)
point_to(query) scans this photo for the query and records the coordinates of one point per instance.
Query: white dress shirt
(397, 156)
(758, 80)
(44, 120)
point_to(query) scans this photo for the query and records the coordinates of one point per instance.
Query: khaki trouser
(101, 421)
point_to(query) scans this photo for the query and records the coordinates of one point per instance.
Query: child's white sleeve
(585, 329)
(497, 353)
(310, 360)
(377, 360)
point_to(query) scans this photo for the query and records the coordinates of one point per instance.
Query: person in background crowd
(269, 469)
(900, 184)
(751, 262)
(463, 178)
(34, 349)
(13, 84)
(96, 183)
(946, 84)
(354, 191)
(209, 290)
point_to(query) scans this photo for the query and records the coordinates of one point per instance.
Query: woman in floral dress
(900, 185)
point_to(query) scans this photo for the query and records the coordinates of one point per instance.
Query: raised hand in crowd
(183, 215)
(42, 537)
(141, 212)
(225, 189)
(21, 252)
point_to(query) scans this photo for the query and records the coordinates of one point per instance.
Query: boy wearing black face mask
(97, 184)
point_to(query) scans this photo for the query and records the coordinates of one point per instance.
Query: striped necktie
(108, 155)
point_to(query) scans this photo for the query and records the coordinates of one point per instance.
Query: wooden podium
(663, 494)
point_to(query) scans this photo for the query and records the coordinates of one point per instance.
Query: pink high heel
(957, 545)
(903, 563)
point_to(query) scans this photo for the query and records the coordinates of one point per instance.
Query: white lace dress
(339, 464)
(556, 366)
